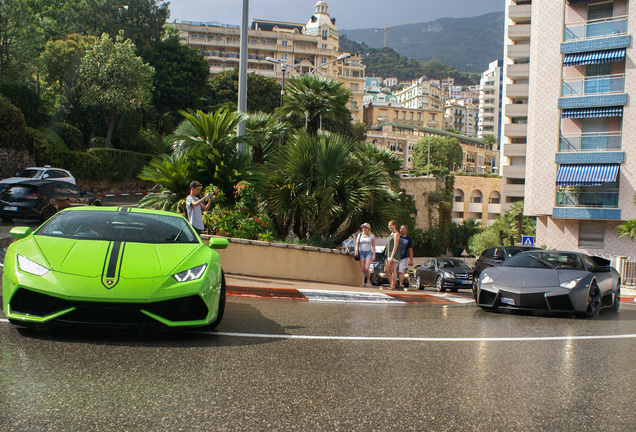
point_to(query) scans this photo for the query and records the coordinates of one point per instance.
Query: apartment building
(514, 115)
(461, 116)
(490, 100)
(580, 158)
(295, 48)
(422, 94)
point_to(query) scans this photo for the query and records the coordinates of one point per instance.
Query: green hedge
(120, 164)
(12, 126)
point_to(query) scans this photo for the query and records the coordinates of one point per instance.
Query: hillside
(468, 44)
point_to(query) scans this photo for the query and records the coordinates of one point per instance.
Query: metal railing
(599, 141)
(595, 28)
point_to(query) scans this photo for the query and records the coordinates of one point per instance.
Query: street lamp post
(340, 57)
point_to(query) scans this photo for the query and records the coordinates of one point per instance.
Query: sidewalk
(251, 286)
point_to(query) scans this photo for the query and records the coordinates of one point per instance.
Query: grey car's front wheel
(593, 302)
(439, 284)
(418, 283)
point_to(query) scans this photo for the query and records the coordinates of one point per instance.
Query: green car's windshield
(119, 226)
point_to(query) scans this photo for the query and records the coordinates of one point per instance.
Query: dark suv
(41, 199)
(494, 256)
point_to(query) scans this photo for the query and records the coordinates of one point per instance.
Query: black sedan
(443, 273)
(551, 281)
(41, 199)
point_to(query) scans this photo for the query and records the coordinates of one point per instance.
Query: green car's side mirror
(20, 232)
(218, 243)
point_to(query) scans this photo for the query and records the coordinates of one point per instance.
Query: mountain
(468, 44)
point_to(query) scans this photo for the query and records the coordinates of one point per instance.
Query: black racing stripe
(111, 271)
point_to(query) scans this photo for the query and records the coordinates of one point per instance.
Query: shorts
(403, 265)
(365, 254)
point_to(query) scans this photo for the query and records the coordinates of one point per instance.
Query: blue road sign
(527, 240)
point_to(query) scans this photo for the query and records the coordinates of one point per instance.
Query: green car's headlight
(570, 284)
(191, 274)
(28, 266)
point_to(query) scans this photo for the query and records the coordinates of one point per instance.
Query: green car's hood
(134, 260)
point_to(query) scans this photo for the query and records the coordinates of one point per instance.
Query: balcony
(595, 29)
(518, 51)
(518, 71)
(594, 197)
(517, 90)
(514, 150)
(519, 32)
(516, 110)
(520, 12)
(516, 130)
(514, 171)
(515, 190)
(458, 207)
(591, 142)
(595, 85)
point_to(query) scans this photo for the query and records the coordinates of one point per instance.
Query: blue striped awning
(614, 111)
(579, 1)
(586, 175)
(594, 57)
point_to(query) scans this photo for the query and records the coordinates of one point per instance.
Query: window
(600, 11)
(591, 234)
(283, 57)
(323, 60)
(324, 35)
(284, 43)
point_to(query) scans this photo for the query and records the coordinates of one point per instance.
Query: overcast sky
(349, 14)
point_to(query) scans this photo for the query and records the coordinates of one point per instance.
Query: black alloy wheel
(47, 212)
(617, 298)
(593, 302)
(439, 284)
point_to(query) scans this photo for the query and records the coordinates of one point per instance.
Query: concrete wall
(286, 261)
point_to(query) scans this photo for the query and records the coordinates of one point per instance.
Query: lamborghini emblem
(112, 264)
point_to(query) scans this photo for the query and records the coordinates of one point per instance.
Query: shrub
(97, 142)
(71, 135)
(120, 164)
(13, 132)
(27, 100)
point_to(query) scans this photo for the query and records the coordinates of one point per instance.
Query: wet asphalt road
(312, 366)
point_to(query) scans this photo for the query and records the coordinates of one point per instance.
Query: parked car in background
(378, 276)
(39, 173)
(494, 256)
(443, 274)
(41, 199)
(551, 281)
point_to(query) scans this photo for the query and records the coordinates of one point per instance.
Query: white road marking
(348, 296)
(411, 339)
(451, 297)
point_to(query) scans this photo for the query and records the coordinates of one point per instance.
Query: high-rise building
(490, 100)
(581, 163)
(514, 113)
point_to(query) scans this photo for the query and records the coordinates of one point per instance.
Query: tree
(20, 41)
(181, 76)
(445, 152)
(60, 63)
(325, 186)
(115, 79)
(263, 93)
(628, 229)
(491, 142)
(314, 97)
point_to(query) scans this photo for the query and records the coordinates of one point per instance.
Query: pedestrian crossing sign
(527, 240)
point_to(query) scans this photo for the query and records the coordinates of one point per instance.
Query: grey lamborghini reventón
(550, 281)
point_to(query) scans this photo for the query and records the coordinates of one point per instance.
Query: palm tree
(628, 229)
(265, 132)
(313, 97)
(322, 186)
(173, 174)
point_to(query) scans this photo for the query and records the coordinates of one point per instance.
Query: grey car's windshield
(545, 259)
(119, 226)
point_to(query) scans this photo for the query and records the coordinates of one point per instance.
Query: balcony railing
(588, 197)
(594, 85)
(601, 141)
(596, 28)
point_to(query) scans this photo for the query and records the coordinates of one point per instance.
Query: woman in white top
(365, 249)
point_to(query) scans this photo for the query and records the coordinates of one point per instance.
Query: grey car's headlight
(570, 284)
(28, 266)
(485, 279)
(191, 274)
(448, 275)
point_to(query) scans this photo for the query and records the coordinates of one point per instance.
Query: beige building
(581, 163)
(295, 48)
(421, 94)
(462, 116)
(477, 198)
(514, 115)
